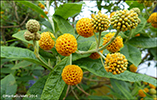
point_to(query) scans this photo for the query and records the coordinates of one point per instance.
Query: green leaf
(122, 87)
(19, 53)
(153, 51)
(8, 87)
(96, 67)
(36, 89)
(68, 9)
(140, 27)
(143, 42)
(63, 25)
(48, 25)
(134, 3)
(20, 35)
(34, 7)
(132, 54)
(76, 56)
(21, 64)
(55, 85)
(93, 97)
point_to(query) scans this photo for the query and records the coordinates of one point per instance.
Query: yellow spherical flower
(46, 12)
(133, 68)
(152, 86)
(66, 44)
(2, 12)
(124, 20)
(115, 63)
(46, 42)
(42, 6)
(141, 93)
(153, 18)
(146, 89)
(84, 27)
(72, 74)
(115, 45)
(112, 14)
(95, 55)
(100, 22)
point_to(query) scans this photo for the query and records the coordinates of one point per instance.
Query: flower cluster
(133, 68)
(84, 27)
(124, 20)
(153, 19)
(115, 63)
(66, 44)
(33, 27)
(46, 42)
(72, 74)
(115, 45)
(100, 22)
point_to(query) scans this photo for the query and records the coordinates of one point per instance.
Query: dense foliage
(108, 56)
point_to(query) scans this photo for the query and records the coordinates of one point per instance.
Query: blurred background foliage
(14, 16)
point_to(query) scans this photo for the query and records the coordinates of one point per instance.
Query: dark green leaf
(132, 54)
(54, 84)
(48, 25)
(63, 25)
(121, 87)
(21, 64)
(19, 53)
(96, 67)
(8, 87)
(36, 89)
(134, 3)
(68, 9)
(34, 7)
(20, 35)
(143, 42)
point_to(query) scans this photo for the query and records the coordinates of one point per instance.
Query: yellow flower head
(115, 63)
(141, 93)
(95, 55)
(153, 18)
(42, 6)
(39, 4)
(115, 45)
(66, 44)
(84, 27)
(46, 42)
(100, 22)
(133, 68)
(124, 20)
(154, 25)
(72, 74)
(46, 12)
(152, 86)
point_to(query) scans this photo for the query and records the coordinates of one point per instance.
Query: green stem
(95, 38)
(101, 54)
(112, 39)
(153, 8)
(38, 56)
(86, 52)
(99, 40)
(77, 36)
(146, 10)
(130, 35)
(71, 59)
(102, 61)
